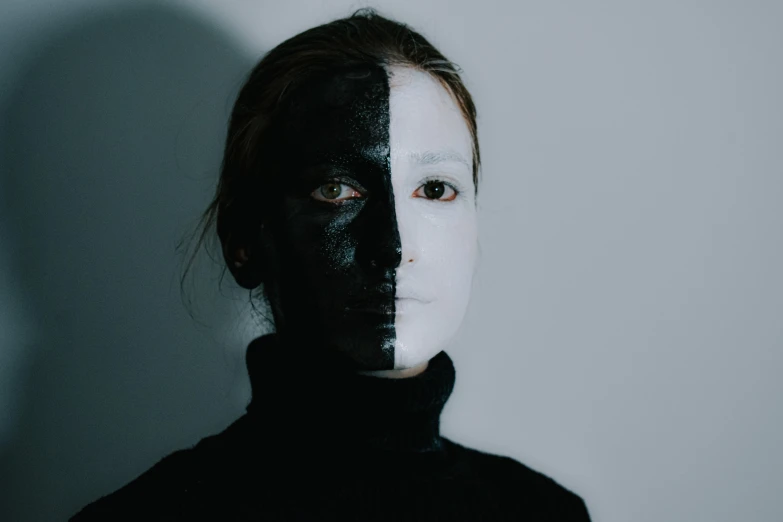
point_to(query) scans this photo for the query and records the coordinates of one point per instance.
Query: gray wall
(625, 332)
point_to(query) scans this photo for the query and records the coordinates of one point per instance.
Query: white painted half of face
(430, 140)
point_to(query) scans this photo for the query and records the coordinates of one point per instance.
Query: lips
(413, 290)
(385, 298)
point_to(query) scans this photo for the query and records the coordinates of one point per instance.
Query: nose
(379, 249)
(410, 250)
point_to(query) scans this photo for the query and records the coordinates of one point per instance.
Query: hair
(365, 38)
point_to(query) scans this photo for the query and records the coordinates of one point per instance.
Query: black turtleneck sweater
(318, 443)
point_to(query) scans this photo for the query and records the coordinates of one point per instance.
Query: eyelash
(342, 181)
(457, 191)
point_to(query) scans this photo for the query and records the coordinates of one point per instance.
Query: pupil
(434, 189)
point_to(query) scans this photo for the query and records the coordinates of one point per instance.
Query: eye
(335, 192)
(437, 190)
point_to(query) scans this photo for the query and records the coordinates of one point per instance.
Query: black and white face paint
(374, 241)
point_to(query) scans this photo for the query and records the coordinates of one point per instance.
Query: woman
(347, 195)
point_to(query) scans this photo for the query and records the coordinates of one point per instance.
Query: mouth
(386, 308)
(379, 304)
(372, 311)
(383, 300)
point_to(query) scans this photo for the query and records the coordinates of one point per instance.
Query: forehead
(342, 113)
(424, 117)
(368, 113)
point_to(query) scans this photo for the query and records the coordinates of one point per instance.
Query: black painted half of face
(336, 261)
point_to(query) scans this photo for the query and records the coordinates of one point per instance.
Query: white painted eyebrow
(432, 157)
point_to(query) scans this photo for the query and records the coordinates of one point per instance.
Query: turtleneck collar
(296, 399)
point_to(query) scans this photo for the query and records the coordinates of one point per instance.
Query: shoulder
(533, 491)
(157, 486)
(175, 483)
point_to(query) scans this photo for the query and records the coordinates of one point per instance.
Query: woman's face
(373, 245)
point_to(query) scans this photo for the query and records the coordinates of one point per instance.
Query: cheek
(336, 249)
(318, 246)
(448, 253)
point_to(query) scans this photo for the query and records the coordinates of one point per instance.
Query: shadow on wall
(112, 144)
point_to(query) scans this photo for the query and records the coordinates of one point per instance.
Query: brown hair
(365, 37)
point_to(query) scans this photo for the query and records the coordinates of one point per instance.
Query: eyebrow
(432, 157)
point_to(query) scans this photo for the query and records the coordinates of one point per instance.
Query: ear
(245, 261)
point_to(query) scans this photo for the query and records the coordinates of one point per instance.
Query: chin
(421, 336)
(412, 352)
